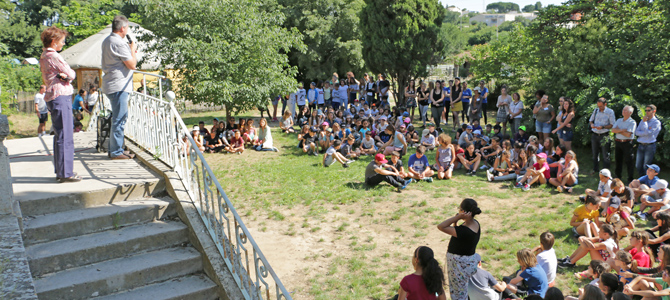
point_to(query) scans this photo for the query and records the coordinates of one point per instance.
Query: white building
(497, 19)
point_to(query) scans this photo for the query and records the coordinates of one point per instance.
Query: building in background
(497, 19)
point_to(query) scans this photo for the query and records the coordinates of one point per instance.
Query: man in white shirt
(41, 111)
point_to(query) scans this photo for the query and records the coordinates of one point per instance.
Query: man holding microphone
(118, 62)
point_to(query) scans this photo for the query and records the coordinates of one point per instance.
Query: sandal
(70, 179)
(583, 275)
(73, 175)
(568, 190)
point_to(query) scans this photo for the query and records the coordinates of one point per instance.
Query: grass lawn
(23, 125)
(329, 236)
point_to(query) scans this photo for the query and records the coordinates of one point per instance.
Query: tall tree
(230, 52)
(503, 7)
(399, 37)
(84, 19)
(16, 33)
(331, 33)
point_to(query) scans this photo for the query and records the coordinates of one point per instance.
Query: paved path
(33, 176)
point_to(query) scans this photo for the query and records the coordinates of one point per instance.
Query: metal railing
(156, 126)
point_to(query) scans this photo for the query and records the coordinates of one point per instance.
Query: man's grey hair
(119, 23)
(629, 108)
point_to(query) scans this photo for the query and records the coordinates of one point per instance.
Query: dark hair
(119, 22)
(540, 93)
(470, 205)
(52, 34)
(390, 127)
(564, 150)
(571, 106)
(609, 229)
(664, 216)
(432, 274)
(593, 292)
(602, 100)
(547, 240)
(611, 281)
(591, 200)
(201, 122)
(534, 297)
(620, 296)
(599, 267)
(553, 293)
(421, 149)
(653, 107)
(337, 143)
(81, 92)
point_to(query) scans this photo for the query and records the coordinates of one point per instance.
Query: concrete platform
(33, 176)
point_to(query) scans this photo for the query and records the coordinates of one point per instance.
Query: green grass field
(343, 240)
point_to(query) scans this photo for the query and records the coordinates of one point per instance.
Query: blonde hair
(574, 157)
(617, 183)
(526, 258)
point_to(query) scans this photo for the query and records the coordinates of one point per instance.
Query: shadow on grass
(359, 186)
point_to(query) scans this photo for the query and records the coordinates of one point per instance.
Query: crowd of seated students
(232, 137)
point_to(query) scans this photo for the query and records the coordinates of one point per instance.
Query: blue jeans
(542, 127)
(119, 102)
(645, 155)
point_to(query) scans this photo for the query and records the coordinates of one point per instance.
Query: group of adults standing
(118, 62)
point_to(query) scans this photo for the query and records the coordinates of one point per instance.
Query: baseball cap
(407, 120)
(487, 139)
(312, 83)
(215, 119)
(660, 184)
(431, 125)
(606, 173)
(469, 127)
(477, 132)
(615, 202)
(383, 118)
(324, 124)
(522, 128)
(195, 128)
(314, 129)
(425, 132)
(402, 126)
(380, 158)
(329, 130)
(405, 114)
(655, 167)
(542, 155)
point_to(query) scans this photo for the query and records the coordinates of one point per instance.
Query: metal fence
(157, 127)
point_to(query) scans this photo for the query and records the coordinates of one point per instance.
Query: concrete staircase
(110, 245)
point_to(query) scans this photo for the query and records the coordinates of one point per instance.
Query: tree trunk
(402, 83)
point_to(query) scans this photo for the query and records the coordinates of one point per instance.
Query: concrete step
(192, 287)
(96, 247)
(73, 223)
(118, 275)
(59, 202)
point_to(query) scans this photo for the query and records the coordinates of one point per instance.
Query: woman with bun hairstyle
(462, 260)
(427, 281)
(609, 284)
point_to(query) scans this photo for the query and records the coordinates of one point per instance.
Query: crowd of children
(232, 137)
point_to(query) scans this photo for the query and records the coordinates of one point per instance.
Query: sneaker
(489, 175)
(565, 265)
(429, 179)
(408, 181)
(565, 259)
(574, 233)
(345, 166)
(560, 189)
(633, 219)
(518, 185)
(411, 180)
(349, 161)
(275, 149)
(643, 216)
(526, 187)
(483, 167)
(473, 173)
(315, 153)
(582, 198)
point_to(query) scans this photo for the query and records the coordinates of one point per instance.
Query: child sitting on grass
(546, 256)
(332, 155)
(567, 174)
(418, 166)
(583, 216)
(445, 157)
(617, 216)
(664, 282)
(470, 159)
(502, 168)
(286, 123)
(624, 263)
(347, 148)
(531, 275)
(368, 145)
(643, 185)
(427, 140)
(602, 247)
(596, 268)
(483, 285)
(396, 162)
(639, 250)
(539, 173)
(236, 143)
(604, 189)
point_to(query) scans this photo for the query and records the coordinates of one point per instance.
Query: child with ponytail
(602, 247)
(427, 280)
(531, 275)
(624, 263)
(639, 249)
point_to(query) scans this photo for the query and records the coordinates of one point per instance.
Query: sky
(479, 5)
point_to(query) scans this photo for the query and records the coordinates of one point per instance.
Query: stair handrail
(156, 126)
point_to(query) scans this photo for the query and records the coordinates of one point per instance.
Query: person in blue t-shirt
(531, 275)
(465, 99)
(483, 94)
(78, 104)
(643, 185)
(418, 166)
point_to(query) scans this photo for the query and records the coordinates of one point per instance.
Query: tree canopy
(503, 7)
(617, 49)
(399, 37)
(230, 52)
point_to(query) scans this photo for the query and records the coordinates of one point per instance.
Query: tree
(399, 37)
(451, 16)
(503, 7)
(528, 8)
(452, 39)
(84, 19)
(227, 52)
(331, 34)
(21, 38)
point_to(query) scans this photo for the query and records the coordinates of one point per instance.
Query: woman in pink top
(427, 282)
(57, 75)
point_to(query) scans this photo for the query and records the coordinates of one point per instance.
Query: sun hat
(383, 118)
(660, 185)
(606, 173)
(380, 158)
(329, 130)
(425, 132)
(196, 128)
